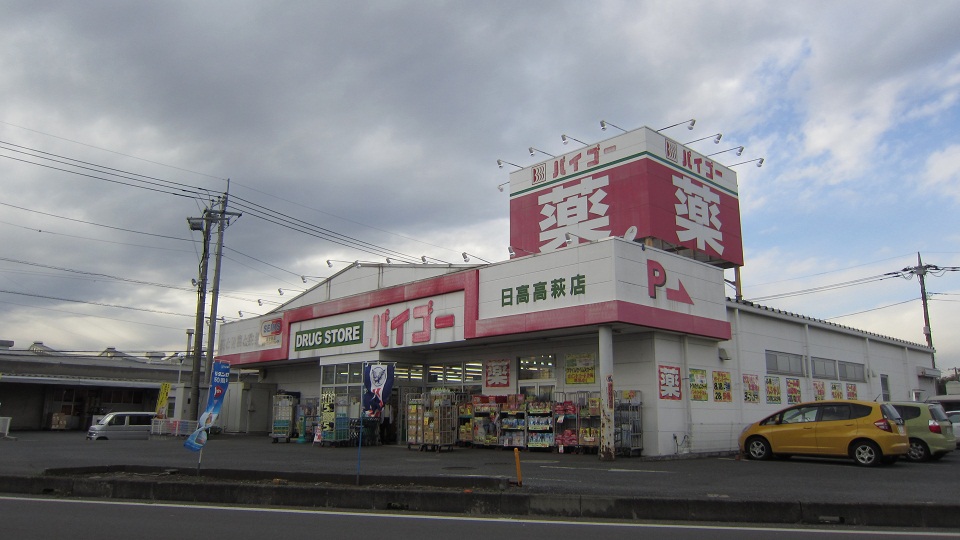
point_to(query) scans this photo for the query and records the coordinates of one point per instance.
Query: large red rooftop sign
(639, 184)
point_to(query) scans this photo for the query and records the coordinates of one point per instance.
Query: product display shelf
(588, 423)
(565, 424)
(416, 418)
(334, 420)
(513, 428)
(486, 431)
(540, 432)
(465, 423)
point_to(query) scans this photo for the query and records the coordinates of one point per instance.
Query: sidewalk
(252, 470)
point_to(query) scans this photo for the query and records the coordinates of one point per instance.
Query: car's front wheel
(919, 451)
(758, 448)
(866, 453)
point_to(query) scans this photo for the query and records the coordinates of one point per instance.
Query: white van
(122, 425)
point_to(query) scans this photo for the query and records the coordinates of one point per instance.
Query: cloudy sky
(348, 130)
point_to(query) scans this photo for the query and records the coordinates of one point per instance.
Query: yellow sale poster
(722, 387)
(581, 368)
(836, 391)
(773, 389)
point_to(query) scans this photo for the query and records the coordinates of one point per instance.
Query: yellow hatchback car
(868, 432)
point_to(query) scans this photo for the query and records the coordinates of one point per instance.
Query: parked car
(955, 420)
(868, 432)
(122, 425)
(929, 429)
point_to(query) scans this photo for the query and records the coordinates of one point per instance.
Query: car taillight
(934, 426)
(884, 425)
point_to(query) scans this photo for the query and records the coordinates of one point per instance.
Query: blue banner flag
(377, 384)
(218, 389)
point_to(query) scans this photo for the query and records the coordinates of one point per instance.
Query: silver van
(122, 425)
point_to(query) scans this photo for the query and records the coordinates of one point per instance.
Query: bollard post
(516, 457)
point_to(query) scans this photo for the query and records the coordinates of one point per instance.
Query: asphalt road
(708, 478)
(43, 519)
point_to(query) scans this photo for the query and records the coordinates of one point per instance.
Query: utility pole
(222, 222)
(199, 224)
(921, 270)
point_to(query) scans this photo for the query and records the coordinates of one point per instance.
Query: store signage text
(330, 336)
(558, 288)
(385, 326)
(576, 208)
(698, 165)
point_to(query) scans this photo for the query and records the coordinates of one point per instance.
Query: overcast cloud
(383, 121)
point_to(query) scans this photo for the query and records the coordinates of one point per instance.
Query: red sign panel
(642, 198)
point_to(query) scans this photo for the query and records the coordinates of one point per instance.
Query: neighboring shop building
(612, 316)
(42, 388)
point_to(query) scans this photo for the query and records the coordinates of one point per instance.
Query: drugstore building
(610, 315)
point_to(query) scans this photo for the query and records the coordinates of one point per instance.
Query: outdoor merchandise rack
(431, 421)
(284, 409)
(577, 421)
(628, 427)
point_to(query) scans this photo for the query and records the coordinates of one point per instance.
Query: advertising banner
(218, 389)
(793, 391)
(698, 385)
(773, 390)
(751, 388)
(162, 400)
(377, 385)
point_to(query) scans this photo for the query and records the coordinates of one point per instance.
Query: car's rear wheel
(866, 453)
(758, 448)
(919, 451)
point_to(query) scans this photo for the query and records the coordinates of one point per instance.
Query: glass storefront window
(356, 373)
(416, 373)
(473, 372)
(454, 373)
(537, 367)
(327, 375)
(435, 374)
(343, 374)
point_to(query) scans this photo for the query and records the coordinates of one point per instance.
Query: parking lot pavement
(723, 476)
(711, 480)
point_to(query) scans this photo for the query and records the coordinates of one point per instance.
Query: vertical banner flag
(377, 384)
(218, 389)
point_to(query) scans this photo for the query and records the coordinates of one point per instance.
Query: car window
(936, 412)
(800, 414)
(139, 420)
(859, 411)
(117, 420)
(907, 412)
(834, 412)
(889, 412)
